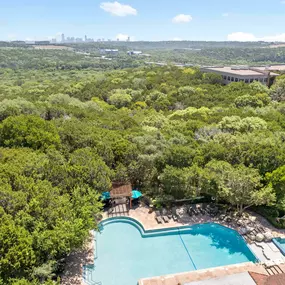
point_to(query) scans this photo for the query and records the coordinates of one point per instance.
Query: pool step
(273, 270)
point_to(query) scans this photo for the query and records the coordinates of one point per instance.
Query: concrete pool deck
(141, 213)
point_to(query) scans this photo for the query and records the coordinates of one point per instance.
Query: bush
(271, 214)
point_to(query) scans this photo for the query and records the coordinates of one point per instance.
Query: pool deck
(75, 262)
(200, 275)
(141, 214)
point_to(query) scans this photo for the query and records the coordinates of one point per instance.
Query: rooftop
(245, 70)
(272, 67)
(121, 190)
(235, 71)
(262, 279)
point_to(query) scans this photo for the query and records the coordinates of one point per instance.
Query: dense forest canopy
(175, 133)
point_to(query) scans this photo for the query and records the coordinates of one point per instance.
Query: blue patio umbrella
(105, 196)
(136, 194)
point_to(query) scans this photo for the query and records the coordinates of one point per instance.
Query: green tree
(120, 98)
(277, 92)
(17, 256)
(28, 131)
(240, 186)
(277, 180)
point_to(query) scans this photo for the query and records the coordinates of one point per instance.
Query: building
(30, 42)
(62, 38)
(278, 68)
(19, 42)
(42, 43)
(109, 51)
(70, 40)
(242, 74)
(135, 52)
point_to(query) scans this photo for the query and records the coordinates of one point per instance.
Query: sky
(152, 20)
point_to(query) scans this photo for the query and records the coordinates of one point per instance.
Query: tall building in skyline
(75, 39)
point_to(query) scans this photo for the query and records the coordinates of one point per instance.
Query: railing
(88, 279)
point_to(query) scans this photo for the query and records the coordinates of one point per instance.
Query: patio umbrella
(105, 196)
(136, 194)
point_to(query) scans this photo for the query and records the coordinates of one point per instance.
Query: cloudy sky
(241, 20)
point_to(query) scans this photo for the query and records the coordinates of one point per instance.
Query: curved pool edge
(141, 227)
(152, 232)
(170, 230)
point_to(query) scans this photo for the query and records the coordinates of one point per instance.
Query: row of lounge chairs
(211, 210)
(166, 215)
(203, 209)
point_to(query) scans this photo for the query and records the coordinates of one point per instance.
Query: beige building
(243, 73)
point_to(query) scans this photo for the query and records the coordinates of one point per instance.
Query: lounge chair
(205, 208)
(174, 215)
(202, 211)
(166, 213)
(158, 217)
(195, 210)
(190, 212)
(165, 218)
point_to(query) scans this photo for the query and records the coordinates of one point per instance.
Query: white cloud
(248, 37)
(29, 39)
(182, 18)
(124, 37)
(225, 14)
(176, 39)
(241, 37)
(118, 9)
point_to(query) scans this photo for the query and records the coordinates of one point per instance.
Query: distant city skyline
(219, 20)
(71, 39)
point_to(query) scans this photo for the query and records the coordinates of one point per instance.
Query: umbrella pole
(130, 202)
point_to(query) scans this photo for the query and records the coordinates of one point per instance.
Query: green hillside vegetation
(88, 56)
(65, 135)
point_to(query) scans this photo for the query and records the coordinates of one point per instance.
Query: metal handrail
(86, 275)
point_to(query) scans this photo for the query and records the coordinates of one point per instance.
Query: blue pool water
(280, 243)
(127, 253)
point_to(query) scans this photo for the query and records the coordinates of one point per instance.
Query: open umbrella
(136, 194)
(105, 196)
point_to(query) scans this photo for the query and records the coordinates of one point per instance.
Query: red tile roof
(121, 190)
(261, 279)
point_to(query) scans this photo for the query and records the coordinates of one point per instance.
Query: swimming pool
(125, 252)
(280, 243)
